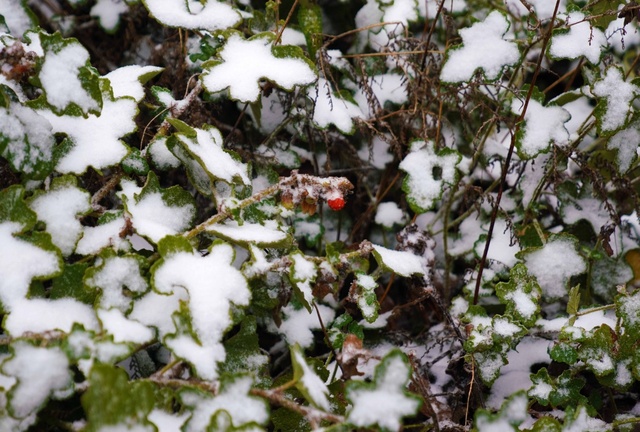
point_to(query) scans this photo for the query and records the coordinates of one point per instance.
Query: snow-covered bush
(237, 215)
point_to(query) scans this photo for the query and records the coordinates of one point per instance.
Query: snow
(261, 235)
(619, 95)
(108, 13)
(40, 372)
(39, 315)
(523, 302)
(145, 310)
(96, 139)
(114, 275)
(167, 422)
(553, 265)
(246, 62)
(100, 236)
(59, 209)
(298, 324)
(20, 262)
(125, 81)
(161, 155)
(15, 17)
(391, 87)
(543, 8)
(377, 153)
(122, 329)
(483, 48)
(389, 214)
(151, 216)
(582, 39)
(422, 185)
(500, 249)
(60, 79)
(213, 284)
(543, 126)
(192, 14)
(208, 151)
(403, 263)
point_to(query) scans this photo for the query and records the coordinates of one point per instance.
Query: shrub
(335, 215)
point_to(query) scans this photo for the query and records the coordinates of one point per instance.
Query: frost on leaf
(213, 285)
(614, 109)
(483, 47)
(206, 160)
(427, 173)
(59, 208)
(193, 14)
(383, 402)
(234, 399)
(542, 126)
(40, 373)
(244, 63)
(554, 264)
(26, 140)
(307, 381)
(582, 39)
(156, 212)
(67, 78)
(95, 140)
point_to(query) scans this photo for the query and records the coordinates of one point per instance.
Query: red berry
(336, 204)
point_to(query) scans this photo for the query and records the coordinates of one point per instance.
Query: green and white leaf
(307, 381)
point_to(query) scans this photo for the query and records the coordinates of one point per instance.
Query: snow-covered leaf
(384, 401)
(302, 274)
(401, 262)
(307, 381)
(243, 63)
(512, 413)
(427, 171)
(483, 47)
(157, 212)
(580, 39)
(331, 109)
(209, 15)
(521, 295)
(129, 80)
(206, 160)
(95, 140)
(59, 208)
(234, 399)
(363, 291)
(213, 285)
(543, 125)
(554, 264)
(26, 140)
(614, 108)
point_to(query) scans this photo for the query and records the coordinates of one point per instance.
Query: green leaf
(563, 352)
(244, 353)
(573, 305)
(302, 275)
(597, 351)
(546, 424)
(310, 21)
(557, 392)
(70, 284)
(14, 209)
(600, 11)
(112, 400)
(390, 379)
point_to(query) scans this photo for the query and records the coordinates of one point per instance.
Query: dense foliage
(301, 215)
